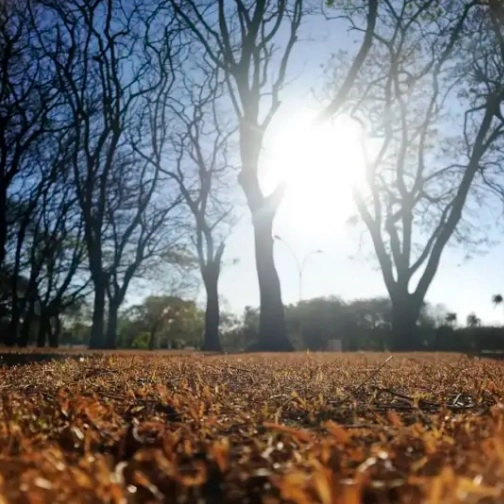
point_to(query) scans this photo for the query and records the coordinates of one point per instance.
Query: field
(301, 428)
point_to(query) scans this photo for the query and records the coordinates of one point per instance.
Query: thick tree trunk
(111, 339)
(272, 327)
(405, 313)
(211, 341)
(96, 339)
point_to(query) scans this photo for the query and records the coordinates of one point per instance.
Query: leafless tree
(252, 43)
(55, 259)
(428, 98)
(28, 101)
(139, 227)
(112, 57)
(191, 147)
(26, 205)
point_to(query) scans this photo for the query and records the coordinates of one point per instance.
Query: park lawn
(303, 428)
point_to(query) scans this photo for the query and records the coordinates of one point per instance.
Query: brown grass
(302, 428)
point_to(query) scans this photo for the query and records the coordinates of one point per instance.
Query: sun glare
(320, 164)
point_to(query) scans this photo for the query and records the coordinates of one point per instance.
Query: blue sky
(346, 268)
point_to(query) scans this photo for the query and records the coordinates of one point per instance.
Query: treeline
(170, 322)
(366, 324)
(131, 133)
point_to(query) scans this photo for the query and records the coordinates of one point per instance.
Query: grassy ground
(304, 428)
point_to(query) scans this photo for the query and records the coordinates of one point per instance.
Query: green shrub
(141, 341)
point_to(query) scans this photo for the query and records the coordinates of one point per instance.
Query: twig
(372, 375)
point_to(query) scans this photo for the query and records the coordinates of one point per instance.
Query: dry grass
(302, 428)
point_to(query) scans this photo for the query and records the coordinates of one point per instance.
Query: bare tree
(138, 228)
(26, 206)
(195, 145)
(247, 41)
(427, 64)
(20, 287)
(351, 11)
(28, 101)
(111, 58)
(56, 258)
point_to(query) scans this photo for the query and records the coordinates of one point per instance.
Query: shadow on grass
(10, 359)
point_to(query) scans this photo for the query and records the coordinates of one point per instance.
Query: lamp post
(300, 266)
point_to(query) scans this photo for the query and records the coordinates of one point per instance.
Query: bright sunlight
(320, 164)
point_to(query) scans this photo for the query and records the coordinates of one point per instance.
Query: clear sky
(346, 268)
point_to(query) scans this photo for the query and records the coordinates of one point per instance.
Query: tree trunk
(3, 221)
(405, 313)
(211, 341)
(152, 339)
(111, 339)
(27, 325)
(43, 330)
(54, 334)
(272, 327)
(13, 330)
(96, 339)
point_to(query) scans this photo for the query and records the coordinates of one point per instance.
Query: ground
(304, 428)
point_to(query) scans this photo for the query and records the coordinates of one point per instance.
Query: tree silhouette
(29, 103)
(198, 138)
(451, 318)
(241, 38)
(497, 299)
(105, 85)
(418, 183)
(473, 321)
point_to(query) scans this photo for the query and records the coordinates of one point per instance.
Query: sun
(321, 164)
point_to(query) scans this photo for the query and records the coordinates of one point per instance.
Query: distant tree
(232, 331)
(323, 319)
(168, 318)
(497, 300)
(153, 313)
(472, 320)
(372, 312)
(251, 321)
(451, 318)
(433, 315)
(360, 323)
(428, 65)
